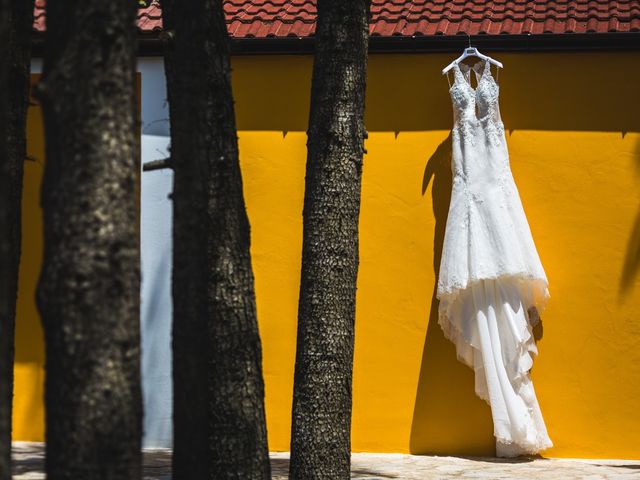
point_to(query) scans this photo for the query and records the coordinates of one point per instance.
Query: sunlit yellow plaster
(28, 411)
(573, 131)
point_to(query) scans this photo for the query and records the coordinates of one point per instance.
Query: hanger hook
(469, 37)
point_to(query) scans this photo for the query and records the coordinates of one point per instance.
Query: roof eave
(151, 45)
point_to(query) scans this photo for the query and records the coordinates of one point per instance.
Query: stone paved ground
(28, 462)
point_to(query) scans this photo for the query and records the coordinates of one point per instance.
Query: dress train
(499, 345)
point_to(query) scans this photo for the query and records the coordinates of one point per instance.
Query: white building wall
(155, 240)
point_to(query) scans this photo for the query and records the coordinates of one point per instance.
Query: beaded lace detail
(476, 108)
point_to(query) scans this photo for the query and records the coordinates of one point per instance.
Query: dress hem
(532, 292)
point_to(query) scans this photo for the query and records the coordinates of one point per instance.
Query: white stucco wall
(155, 240)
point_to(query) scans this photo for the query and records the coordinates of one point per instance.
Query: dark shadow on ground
(279, 468)
(26, 465)
(630, 467)
(516, 460)
(360, 472)
(280, 471)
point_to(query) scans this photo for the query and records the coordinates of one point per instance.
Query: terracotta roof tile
(296, 18)
(38, 16)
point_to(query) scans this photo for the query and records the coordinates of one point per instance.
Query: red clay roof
(296, 18)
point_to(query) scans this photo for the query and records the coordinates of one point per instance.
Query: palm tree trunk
(219, 420)
(89, 289)
(321, 424)
(16, 18)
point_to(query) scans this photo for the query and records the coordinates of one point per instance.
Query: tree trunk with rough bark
(16, 18)
(219, 419)
(321, 423)
(89, 289)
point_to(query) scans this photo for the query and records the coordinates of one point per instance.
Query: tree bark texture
(16, 18)
(321, 423)
(89, 289)
(219, 419)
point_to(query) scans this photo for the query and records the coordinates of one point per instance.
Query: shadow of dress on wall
(490, 272)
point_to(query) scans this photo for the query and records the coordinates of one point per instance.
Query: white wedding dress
(490, 272)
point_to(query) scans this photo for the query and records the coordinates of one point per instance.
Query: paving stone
(28, 463)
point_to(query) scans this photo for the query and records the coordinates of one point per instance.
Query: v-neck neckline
(479, 77)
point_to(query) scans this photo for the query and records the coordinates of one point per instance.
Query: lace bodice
(486, 224)
(473, 108)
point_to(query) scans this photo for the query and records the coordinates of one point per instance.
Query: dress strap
(486, 71)
(487, 68)
(457, 73)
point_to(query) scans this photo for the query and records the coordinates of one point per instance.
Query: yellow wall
(573, 130)
(28, 411)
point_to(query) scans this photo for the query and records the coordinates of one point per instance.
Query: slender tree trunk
(219, 420)
(89, 290)
(321, 424)
(16, 19)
